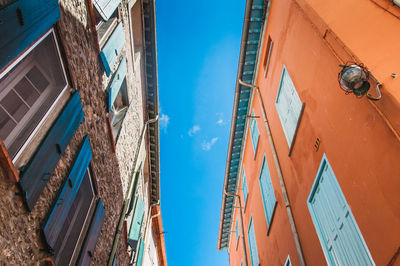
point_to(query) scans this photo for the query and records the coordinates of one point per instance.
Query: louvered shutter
(112, 49)
(252, 244)
(117, 82)
(37, 172)
(337, 229)
(267, 191)
(254, 131)
(106, 7)
(245, 189)
(136, 225)
(237, 231)
(140, 255)
(67, 216)
(22, 23)
(92, 235)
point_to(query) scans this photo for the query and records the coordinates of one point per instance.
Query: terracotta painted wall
(311, 39)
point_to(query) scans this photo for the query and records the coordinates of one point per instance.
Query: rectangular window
(289, 106)
(267, 57)
(237, 231)
(245, 189)
(28, 90)
(267, 191)
(254, 132)
(251, 236)
(337, 230)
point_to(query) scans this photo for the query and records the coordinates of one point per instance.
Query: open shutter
(140, 255)
(55, 222)
(117, 82)
(136, 224)
(92, 234)
(111, 50)
(22, 23)
(42, 164)
(106, 7)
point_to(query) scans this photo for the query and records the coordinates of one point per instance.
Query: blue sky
(198, 46)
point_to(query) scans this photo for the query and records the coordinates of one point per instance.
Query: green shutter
(267, 191)
(117, 82)
(106, 7)
(112, 49)
(136, 225)
(251, 236)
(140, 255)
(22, 22)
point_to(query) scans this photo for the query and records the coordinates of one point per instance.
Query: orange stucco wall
(311, 38)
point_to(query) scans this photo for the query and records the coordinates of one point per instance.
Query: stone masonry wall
(21, 242)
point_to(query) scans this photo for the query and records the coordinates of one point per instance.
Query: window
(337, 230)
(245, 189)
(289, 106)
(237, 231)
(28, 90)
(288, 262)
(65, 227)
(254, 132)
(251, 236)
(118, 102)
(267, 57)
(267, 192)
(136, 225)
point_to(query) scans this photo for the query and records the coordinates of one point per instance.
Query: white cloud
(220, 120)
(193, 130)
(206, 145)
(164, 121)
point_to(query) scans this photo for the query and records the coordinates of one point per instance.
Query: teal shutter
(59, 213)
(85, 258)
(340, 238)
(136, 225)
(117, 82)
(22, 22)
(140, 255)
(251, 236)
(38, 171)
(245, 189)
(112, 49)
(237, 231)
(267, 191)
(289, 105)
(254, 131)
(106, 7)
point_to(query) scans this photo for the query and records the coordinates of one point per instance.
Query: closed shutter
(288, 105)
(251, 235)
(337, 229)
(112, 49)
(117, 82)
(22, 23)
(245, 189)
(64, 224)
(267, 191)
(237, 231)
(92, 235)
(136, 225)
(254, 132)
(41, 166)
(106, 7)
(140, 255)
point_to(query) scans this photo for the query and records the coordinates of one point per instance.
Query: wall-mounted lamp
(353, 78)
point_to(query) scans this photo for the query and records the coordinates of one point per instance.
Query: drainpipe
(129, 193)
(280, 176)
(241, 223)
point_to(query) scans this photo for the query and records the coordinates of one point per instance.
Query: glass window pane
(14, 105)
(27, 91)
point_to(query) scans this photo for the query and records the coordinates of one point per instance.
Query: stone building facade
(78, 81)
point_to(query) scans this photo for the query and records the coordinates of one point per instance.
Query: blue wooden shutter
(93, 233)
(136, 225)
(42, 164)
(267, 191)
(339, 235)
(113, 47)
(67, 195)
(251, 235)
(237, 231)
(245, 189)
(106, 7)
(117, 82)
(289, 105)
(254, 132)
(22, 22)
(140, 255)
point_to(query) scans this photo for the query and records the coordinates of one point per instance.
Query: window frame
(288, 262)
(8, 69)
(281, 116)
(245, 189)
(251, 225)
(253, 133)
